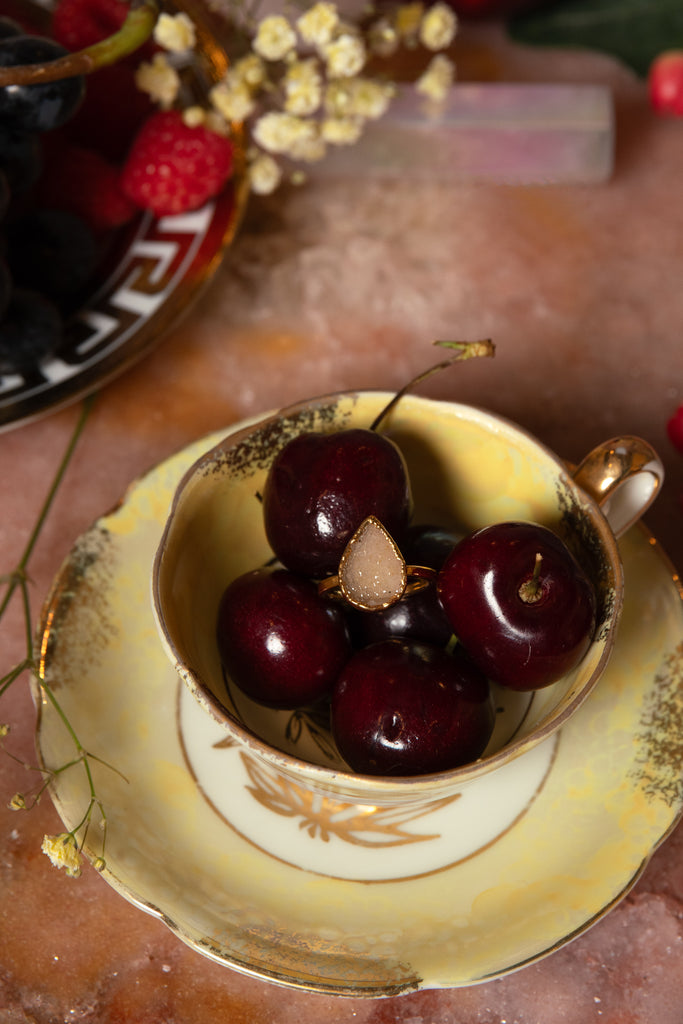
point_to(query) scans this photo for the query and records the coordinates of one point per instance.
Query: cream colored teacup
(468, 468)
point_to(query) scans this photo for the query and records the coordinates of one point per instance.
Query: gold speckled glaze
(610, 790)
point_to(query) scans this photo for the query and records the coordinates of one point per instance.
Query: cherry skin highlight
(408, 708)
(519, 602)
(281, 643)
(321, 487)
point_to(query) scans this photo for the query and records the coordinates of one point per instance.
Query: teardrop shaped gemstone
(372, 571)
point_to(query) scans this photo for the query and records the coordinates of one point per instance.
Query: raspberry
(172, 168)
(80, 23)
(83, 182)
(665, 83)
(674, 429)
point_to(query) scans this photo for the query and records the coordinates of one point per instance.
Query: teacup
(468, 468)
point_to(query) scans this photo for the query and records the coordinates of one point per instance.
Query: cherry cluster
(408, 684)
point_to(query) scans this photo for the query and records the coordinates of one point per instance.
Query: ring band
(417, 578)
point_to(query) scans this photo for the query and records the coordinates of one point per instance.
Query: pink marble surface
(344, 284)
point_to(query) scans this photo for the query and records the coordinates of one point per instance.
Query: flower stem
(19, 574)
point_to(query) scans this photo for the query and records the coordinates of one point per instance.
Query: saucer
(180, 838)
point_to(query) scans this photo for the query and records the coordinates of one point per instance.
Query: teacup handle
(624, 476)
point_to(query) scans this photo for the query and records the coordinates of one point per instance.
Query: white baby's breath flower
(437, 78)
(4, 729)
(309, 149)
(18, 802)
(159, 80)
(280, 132)
(358, 97)
(233, 100)
(175, 32)
(195, 116)
(341, 131)
(275, 38)
(303, 87)
(249, 69)
(265, 174)
(345, 55)
(318, 24)
(63, 852)
(438, 27)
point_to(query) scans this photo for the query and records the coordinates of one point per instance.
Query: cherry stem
(463, 350)
(136, 30)
(531, 590)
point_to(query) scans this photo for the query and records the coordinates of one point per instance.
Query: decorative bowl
(152, 272)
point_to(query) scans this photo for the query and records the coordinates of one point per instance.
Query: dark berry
(21, 158)
(30, 330)
(52, 251)
(406, 708)
(320, 489)
(6, 286)
(5, 194)
(280, 642)
(43, 107)
(519, 602)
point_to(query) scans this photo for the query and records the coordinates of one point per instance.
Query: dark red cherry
(280, 642)
(430, 545)
(321, 487)
(519, 602)
(407, 708)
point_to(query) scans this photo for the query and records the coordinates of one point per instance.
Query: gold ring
(417, 577)
(372, 572)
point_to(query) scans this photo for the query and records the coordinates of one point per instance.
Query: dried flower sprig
(300, 85)
(65, 849)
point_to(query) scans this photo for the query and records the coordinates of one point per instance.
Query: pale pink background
(343, 285)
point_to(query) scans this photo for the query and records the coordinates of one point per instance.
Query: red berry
(83, 182)
(80, 23)
(674, 429)
(172, 167)
(665, 83)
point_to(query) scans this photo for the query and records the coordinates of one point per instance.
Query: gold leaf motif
(224, 744)
(323, 818)
(660, 738)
